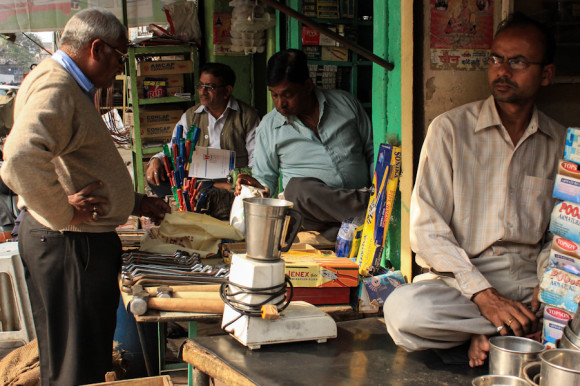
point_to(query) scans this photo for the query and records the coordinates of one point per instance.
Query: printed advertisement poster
(51, 15)
(461, 33)
(222, 37)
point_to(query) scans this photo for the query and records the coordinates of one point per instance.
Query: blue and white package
(572, 148)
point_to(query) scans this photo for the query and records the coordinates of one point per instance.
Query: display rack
(354, 74)
(159, 53)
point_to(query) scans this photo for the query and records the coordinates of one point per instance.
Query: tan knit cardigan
(59, 144)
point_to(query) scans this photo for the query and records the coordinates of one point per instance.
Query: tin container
(509, 354)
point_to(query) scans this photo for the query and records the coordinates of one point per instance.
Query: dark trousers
(324, 207)
(74, 294)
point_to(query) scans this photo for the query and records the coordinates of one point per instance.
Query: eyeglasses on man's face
(122, 56)
(517, 63)
(209, 87)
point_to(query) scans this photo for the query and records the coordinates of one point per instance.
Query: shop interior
(387, 54)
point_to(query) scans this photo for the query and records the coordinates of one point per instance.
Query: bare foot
(478, 350)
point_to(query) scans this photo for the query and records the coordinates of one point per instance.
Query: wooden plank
(212, 365)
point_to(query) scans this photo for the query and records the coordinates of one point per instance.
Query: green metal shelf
(155, 101)
(190, 52)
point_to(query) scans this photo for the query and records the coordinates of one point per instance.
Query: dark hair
(287, 64)
(220, 70)
(518, 19)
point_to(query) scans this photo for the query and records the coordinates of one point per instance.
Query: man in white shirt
(225, 123)
(481, 206)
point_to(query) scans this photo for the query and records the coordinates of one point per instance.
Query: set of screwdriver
(177, 160)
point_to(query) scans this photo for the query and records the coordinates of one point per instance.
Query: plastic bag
(183, 21)
(193, 232)
(346, 235)
(237, 212)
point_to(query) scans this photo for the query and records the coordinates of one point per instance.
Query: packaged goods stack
(364, 244)
(560, 284)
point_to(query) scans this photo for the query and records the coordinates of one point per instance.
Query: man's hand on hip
(502, 311)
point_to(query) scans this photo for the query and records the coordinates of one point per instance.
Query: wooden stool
(16, 324)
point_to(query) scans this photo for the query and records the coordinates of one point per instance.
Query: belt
(434, 271)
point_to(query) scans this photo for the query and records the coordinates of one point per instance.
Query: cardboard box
(307, 269)
(373, 291)
(157, 131)
(164, 67)
(565, 255)
(319, 296)
(161, 380)
(336, 54)
(572, 147)
(565, 220)
(171, 80)
(560, 289)
(567, 188)
(311, 37)
(555, 320)
(385, 181)
(151, 117)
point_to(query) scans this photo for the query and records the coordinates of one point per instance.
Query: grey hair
(90, 24)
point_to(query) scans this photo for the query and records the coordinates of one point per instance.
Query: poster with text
(461, 33)
(222, 37)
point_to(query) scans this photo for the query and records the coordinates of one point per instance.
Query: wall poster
(461, 34)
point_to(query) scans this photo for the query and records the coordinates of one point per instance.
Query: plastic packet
(237, 212)
(344, 239)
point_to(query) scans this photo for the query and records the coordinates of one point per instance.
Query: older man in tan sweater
(75, 189)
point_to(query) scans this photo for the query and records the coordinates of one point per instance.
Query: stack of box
(156, 124)
(378, 284)
(560, 284)
(319, 278)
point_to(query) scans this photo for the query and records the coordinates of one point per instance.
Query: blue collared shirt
(342, 157)
(71, 67)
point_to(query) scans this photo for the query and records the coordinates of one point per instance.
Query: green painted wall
(387, 106)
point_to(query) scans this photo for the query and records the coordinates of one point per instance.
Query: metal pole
(312, 24)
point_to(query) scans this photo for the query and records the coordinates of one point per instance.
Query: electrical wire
(255, 310)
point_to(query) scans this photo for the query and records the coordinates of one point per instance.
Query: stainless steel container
(564, 342)
(575, 323)
(560, 367)
(572, 336)
(496, 380)
(532, 372)
(266, 221)
(509, 354)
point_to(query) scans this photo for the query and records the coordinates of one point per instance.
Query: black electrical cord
(255, 310)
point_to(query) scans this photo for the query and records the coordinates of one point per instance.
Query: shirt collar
(232, 104)
(280, 120)
(71, 67)
(489, 117)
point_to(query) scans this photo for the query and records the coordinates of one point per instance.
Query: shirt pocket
(535, 206)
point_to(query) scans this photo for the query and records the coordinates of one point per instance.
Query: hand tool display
(151, 269)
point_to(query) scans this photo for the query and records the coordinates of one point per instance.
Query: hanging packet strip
(385, 181)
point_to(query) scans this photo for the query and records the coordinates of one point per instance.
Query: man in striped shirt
(481, 206)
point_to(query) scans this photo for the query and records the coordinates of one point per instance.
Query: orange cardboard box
(308, 269)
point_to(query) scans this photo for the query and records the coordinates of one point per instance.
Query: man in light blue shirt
(319, 140)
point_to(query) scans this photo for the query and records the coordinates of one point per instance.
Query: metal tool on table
(141, 268)
(257, 281)
(167, 299)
